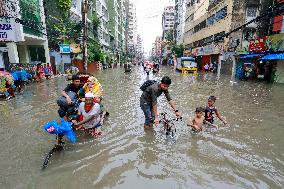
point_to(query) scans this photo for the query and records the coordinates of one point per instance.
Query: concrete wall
(58, 57)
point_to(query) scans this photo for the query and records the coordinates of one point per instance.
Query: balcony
(251, 13)
(213, 3)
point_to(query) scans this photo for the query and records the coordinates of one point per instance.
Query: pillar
(23, 54)
(221, 57)
(233, 69)
(46, 50)
(13, 52)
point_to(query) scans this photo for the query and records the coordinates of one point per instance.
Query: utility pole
(85, 34)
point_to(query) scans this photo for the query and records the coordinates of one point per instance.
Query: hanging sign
(64, 48)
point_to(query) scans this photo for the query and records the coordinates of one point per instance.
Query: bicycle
(59, 146)
(168, 124)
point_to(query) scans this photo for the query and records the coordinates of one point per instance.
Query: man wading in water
(148, 101)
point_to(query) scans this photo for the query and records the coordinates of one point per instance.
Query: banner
(275, 43)
(75, 48)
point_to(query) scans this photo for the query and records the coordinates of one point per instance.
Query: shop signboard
(75, 48)
(258, 44)
(64, 48)
(7, 30)
(209, 49)
(199, 51)
(275, 42)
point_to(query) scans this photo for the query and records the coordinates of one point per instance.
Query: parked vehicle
(186, 64)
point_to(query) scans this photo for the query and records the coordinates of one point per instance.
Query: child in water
(211, 109)
(196, 123)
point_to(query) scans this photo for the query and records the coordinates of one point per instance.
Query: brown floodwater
(246, 154)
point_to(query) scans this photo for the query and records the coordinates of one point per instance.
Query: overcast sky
(149, 19)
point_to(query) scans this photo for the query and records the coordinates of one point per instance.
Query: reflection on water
(248, 154)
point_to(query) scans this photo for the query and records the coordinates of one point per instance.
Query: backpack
(147, 84)
(63, 102)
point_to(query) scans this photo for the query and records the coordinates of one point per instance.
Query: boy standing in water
(198, 120)
(211, 109)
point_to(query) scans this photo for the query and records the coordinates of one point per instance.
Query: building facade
(103, 33)
(158, 46)
(117, 23)
(23, 40)
(179, 21)
(206, 24)
(131, 27)
(139, 49)
(168, 22)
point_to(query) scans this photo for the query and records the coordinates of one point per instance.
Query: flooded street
(248, 154)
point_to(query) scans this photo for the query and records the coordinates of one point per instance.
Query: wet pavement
(247, 154)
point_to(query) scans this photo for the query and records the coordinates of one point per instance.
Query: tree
(170, 36)
(60, 28)
(178, 50)
(94, 51)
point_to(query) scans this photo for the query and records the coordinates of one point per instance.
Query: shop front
(264, 61)
(209, 54)
(276, 64)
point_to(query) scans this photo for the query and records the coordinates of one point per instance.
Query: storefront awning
(279, 56)
(253, 56)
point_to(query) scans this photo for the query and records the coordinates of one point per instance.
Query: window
(221, 14)
(219, 36)
(210, 20)
(251, 11)
(209, 39)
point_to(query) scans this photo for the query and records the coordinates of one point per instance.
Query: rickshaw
(65, 128)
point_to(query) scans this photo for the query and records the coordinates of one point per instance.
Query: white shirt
(206, 66)
(94, 111)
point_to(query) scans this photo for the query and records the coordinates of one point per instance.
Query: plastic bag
(53, 127)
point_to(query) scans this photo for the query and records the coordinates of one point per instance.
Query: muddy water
(248, 154)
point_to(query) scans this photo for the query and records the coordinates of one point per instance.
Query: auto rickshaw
(186, 65)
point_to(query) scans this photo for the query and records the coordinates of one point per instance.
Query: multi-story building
(158, 46)
(207, 22)
(152, 52)
(179, 20)
(168, 21)
(139, 50)
(102, 14)
(23, 34)
(131, 29)
(117, 23)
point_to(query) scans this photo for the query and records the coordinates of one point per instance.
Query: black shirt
(73, 88)
(150, 95)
